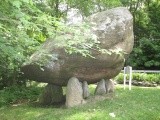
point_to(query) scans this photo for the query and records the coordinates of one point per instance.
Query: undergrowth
(17, 94)
(139, 77)
(137, 104)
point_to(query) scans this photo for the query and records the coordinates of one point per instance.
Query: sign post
(128, 70)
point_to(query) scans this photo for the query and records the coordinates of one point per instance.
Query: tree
(59, 8)
(145, 54)
(23, 28)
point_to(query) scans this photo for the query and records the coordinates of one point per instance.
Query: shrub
(119, 78)
(139, 77)
(158, 78)
(152, 78)
(11, 94)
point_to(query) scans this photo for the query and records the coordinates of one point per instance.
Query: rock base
(77, 93)
(52, 94)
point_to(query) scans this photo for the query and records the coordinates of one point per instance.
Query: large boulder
(114, 29)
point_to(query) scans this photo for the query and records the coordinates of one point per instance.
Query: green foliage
(59, 8)
(153, 78)
(88, 7)
(80, 40)
(139, 77)
(119, 78)
(13, 94)
(21, 31)
(146, 51)
(147, 55)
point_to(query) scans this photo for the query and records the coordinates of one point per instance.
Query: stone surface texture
(114, 29)
(86, 91)
(101, 88)
(110, 87)
(74, 93)
(51, 94)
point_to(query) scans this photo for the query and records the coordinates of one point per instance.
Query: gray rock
(74, 93)
(51, 94)
(114, 30)
(110, 87)
(148, 84)
(86, 91)
(100, 89)
(153, 82)
(140, 83)
(155, 85)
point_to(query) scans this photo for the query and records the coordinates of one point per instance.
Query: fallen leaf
(112, 114)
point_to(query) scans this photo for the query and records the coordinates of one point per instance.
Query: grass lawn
(137, 104)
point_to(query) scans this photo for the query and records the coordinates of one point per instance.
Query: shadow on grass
(137, 104)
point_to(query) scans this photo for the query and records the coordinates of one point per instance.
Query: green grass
(137, 104)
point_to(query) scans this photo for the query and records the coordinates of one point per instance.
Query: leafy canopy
(23, 27)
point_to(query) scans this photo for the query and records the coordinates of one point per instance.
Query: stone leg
(100, 89)
(51, 94)
(74, 93)
(110, 87)
(86, 91)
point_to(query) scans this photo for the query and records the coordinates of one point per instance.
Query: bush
(153, 78)
(139, 77)
(14, 93)
(158, 79)
(119, 78)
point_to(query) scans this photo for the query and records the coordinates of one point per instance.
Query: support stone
(86, 91)
(51, 94)
(74, 93)
(110, 87)
(100, 89)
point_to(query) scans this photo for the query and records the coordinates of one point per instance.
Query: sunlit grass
(137, 104)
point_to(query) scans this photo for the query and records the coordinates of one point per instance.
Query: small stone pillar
(51, 94)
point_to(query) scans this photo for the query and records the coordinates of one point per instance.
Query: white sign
(128, 70)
